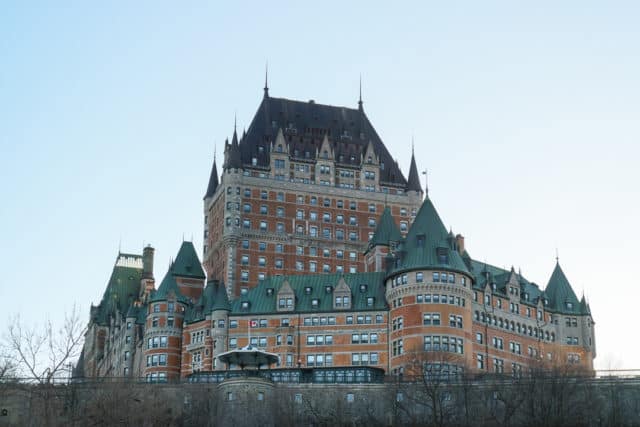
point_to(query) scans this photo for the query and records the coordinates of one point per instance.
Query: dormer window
(328, 289)
(370, 301)
(443, 256)
(279, 148)
(307, 290)
(569, 305)
(369, 160)
(244, 305)
(269, 292)
(420, 239)
(315, 303)
(494, 287)
(363, 288)
(325, 154)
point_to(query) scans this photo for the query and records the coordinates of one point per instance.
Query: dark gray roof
(414, 179)
(304, 125)
(213, 180)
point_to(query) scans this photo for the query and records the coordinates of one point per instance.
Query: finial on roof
(426, 182)
(360, 97)
(557, 257)
(235, 121)
(266, 79)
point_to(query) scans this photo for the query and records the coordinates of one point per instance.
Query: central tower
(301, 192)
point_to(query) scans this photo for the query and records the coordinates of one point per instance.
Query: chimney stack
(147, 262)
(460, 241)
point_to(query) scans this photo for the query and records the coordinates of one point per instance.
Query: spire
(266, 80)
(234, 140)
(413, 184)
(360, 98)
(213, 179)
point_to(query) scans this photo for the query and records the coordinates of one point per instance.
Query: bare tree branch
(43, 354)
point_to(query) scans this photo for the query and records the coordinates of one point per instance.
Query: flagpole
(249, 325)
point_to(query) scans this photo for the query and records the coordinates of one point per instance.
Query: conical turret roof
(386, 231)
(560, 294)
(213, 180)
(167, 287)
(427, 244)
(413, 183)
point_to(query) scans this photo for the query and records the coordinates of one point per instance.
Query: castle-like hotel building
(314, 239)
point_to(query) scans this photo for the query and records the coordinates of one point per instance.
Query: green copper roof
(561, 296)
(264, 297)
(584, 306)
(214, 297)
(428, 244)
(187, 263)
(122, 290)
(484, 273)
(167, 287)
(386, 231)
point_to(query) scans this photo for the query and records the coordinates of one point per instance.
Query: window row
(440, 299)
(319, 339)
(532, 331)
(157, 342)
(157, 360)
(320, 360)
(437, 277)
(364, 358)
(364, 338)
(443, 343)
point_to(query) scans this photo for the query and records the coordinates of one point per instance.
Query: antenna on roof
(183, 237)
(266, 79)
(360, 97)
(235, 120)
(120, 245)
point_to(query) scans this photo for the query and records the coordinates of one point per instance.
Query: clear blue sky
(527, 117)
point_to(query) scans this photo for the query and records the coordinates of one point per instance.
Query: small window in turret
(569, 305)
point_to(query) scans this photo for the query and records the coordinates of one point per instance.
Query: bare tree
(43, 354)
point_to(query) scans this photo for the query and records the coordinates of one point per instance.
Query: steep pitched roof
(213, 181)
(263, 301)
(214, 297)
(167, 287)
(560, 293)
(386, 231)
(428, 245)
(187, 263)
(305, 124)
(413, 183)
(121, 291)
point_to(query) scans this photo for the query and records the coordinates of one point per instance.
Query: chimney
(147, 262)
(460, 241)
